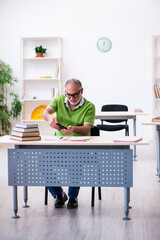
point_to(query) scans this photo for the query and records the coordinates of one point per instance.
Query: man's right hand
(48, 117)
(53, 122)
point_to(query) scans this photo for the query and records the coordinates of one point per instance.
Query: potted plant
(9, 108)
(40, 51)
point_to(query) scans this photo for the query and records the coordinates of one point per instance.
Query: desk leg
(25, 196)
(158, 151)
(129, 198)
(99, 193)
(15, 202)
(126, 202)
(134, 133)
(92, 197)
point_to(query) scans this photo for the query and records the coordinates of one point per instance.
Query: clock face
(104, 44)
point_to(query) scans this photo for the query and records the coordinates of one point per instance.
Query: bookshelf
(156, 74)
(40, 76)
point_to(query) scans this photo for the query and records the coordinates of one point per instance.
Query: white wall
(123, 75)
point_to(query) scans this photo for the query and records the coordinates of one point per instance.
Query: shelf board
(40, 58)
(41, 79)
(40, 38)
(36, 100)
(33, 120)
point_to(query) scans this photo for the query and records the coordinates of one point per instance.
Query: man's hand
(81, 130)
(68, 131)
(53, 122)
(47, 115)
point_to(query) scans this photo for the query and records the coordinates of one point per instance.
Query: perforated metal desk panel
(70, 167)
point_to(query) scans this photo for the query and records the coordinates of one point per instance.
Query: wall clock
(104, 44)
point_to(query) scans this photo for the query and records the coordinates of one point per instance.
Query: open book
(74, 138)
(56, 138)
(128, 139)
(79, 138)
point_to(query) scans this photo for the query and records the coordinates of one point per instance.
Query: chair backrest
(114, 108)
(95, 131)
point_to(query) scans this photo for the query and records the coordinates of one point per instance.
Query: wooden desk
(98, 162)
(122, 115)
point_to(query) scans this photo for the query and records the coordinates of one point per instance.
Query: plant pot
(39, 54)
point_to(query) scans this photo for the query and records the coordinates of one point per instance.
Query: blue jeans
(72, 191)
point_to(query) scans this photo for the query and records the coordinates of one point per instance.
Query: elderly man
(77, 114)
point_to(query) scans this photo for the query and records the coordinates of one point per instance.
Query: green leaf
(5, 123)
(40, 49)
(14, 108)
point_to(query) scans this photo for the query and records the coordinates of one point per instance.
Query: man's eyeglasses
(74, 95)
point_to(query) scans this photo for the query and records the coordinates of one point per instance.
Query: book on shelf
(19, 129)
(57, 71)
(25, 134)
(45, 77)
(52, 93)
(34, 138)
(56, 94)
(157, 91)
(26, 125)
(28, 97)
(156, 119)
(128, 139)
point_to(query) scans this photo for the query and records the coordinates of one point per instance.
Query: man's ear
(82, 91)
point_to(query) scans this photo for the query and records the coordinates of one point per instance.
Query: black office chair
(94, 132)
(114, 126)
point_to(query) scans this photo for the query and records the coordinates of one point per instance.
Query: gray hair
(74, 81)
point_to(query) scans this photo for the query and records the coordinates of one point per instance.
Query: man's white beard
(76, 103)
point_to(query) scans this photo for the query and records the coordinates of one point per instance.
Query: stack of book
(156, 119)
(25, 132)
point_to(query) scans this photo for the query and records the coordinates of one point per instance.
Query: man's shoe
(72, 203)
(61, 199)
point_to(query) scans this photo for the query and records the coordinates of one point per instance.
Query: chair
(114, 126)
(94, 132)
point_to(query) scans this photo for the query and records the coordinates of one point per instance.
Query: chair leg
(46, 196)
(92, 198)
(99, 193)
(127, 131)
